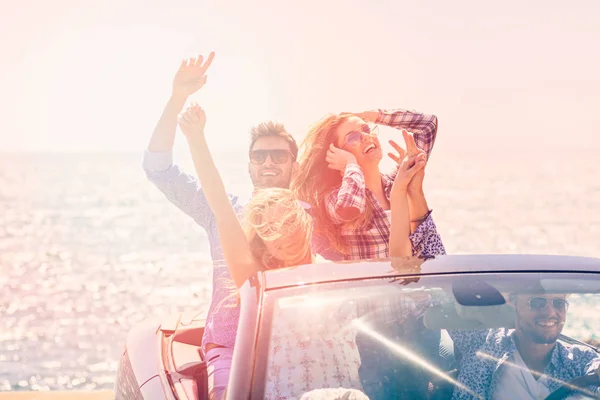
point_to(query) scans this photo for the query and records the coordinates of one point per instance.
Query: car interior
(426, 361)
(422, 367)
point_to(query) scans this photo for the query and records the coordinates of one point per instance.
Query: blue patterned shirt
(484, 353)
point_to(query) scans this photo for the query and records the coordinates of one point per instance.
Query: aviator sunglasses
(355, 136)
(539, 303)
(278, 156)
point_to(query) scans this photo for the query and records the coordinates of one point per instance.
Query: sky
(93, 76)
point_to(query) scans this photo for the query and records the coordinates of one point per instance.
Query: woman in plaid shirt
(339, 177)
(325, 354)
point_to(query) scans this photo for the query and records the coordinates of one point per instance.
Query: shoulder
(576, 352)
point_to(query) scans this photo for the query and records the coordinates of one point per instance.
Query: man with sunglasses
(272, 152)
(527, 362)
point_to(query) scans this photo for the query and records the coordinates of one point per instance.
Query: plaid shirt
(423, 126)
(372, 239)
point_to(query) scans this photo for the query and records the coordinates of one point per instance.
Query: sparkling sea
(88, 247)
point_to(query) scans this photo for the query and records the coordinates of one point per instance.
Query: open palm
(191, 75)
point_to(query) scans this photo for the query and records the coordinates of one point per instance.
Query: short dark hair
(273, 129)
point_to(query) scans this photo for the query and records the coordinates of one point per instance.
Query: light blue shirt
(184, 191)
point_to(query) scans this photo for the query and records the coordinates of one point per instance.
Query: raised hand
(191, 76)
(337, 158)
(192, 121)
(408, 167)
(416, 183)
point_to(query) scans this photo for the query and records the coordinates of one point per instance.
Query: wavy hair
(271, 215)
(274, 214)
(315, 180)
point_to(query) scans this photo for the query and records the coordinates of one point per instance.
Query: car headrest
(454, 316)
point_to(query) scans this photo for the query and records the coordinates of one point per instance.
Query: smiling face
(271, 163)
(539, 324)
(356, 136)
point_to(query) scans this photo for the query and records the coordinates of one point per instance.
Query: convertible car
(386, 329)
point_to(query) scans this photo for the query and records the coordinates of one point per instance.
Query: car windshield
(508, 335)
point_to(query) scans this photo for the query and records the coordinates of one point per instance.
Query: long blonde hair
(315, 180)
(291, 219)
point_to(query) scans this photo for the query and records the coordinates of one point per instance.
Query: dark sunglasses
(278, 156)
(539, 303)
(354, 137)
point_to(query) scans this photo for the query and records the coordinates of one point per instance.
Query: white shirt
(517, 382)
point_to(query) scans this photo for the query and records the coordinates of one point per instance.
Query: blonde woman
(275, 232)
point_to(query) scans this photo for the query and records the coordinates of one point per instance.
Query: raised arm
(179, 188)
(236, 249)
(190, 78)
(417, 204)
(424, 126)
(408, 166)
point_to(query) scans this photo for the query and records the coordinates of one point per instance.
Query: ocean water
(88, 247)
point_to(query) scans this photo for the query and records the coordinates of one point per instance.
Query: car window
(426, 337)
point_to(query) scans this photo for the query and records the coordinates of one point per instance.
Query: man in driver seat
(528, 362)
